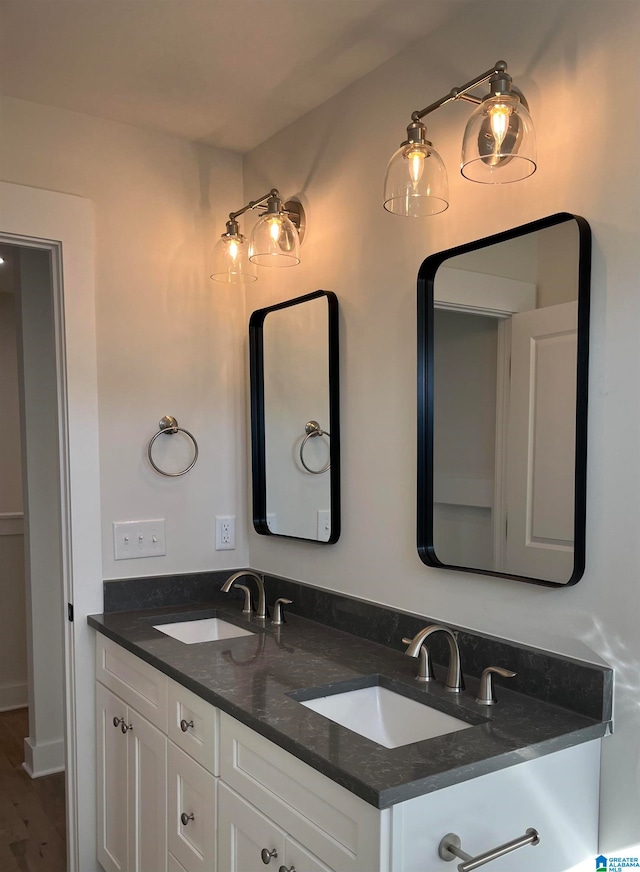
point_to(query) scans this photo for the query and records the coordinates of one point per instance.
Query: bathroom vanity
(208, 760)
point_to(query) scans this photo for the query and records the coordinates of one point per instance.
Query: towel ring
(312, 428)
(168, 427)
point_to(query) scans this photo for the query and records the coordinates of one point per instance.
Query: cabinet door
(191, 791)
(298, 859)
(147, 786)
(243, 833)
(112, 781)
(173, 865)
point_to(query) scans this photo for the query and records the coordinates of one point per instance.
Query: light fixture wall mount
(275, 240)
(498, 147)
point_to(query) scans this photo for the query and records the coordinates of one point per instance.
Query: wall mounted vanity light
(274, 241)
(498, 147)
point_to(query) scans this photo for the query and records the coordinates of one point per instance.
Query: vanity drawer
(133, 680)
(191, 792)
(194, 726)
(340, 829)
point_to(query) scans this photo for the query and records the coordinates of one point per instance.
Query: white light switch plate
(138, 539)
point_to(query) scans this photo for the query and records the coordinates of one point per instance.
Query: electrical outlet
(225, 532)
(324, 525)
(133, 539)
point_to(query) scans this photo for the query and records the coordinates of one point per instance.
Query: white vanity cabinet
(132, 792)
(147, 781)
(244, 834)
(184, 787)
(556, 794)
(132, 762)
(340, 830)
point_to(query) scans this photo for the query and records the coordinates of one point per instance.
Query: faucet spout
(454, 682)
(262, 602)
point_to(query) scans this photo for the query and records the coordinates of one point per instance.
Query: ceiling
(229, 73)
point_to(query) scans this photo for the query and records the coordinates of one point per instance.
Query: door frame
(63, 224)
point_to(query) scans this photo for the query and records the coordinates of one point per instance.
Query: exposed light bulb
(499, 114)
(233, 249)
(415, 156)
(275, 226)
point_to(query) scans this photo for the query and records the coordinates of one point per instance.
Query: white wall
(569, 58)
(169, 339)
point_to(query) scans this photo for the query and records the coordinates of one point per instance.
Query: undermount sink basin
(385, 717)
(202, 630)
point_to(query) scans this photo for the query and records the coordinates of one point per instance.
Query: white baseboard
(13, 696)
(44, 758)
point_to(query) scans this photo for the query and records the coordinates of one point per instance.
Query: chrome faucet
(262, 603)
(454, 682)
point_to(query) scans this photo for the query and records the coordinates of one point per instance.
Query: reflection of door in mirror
(504, 321)
(294, 426)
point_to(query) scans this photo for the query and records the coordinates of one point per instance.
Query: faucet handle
(246, 609)
(486, 696)
(278, 618)
(425, 669)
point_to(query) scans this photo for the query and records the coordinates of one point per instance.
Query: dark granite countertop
(252, 678)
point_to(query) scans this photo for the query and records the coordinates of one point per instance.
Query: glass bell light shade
(230, 262)
(499, 143)
(415, 183)
(274, 241)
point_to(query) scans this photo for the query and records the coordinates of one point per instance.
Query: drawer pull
(184, 725)
(266, 855)
(449, 849)
(185, 818)
(284, 869)
(124, 726)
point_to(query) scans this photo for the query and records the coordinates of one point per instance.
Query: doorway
(30, 474)
(59, 228)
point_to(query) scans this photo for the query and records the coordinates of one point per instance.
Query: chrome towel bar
(449, 849)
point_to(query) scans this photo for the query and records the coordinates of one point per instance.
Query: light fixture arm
(253, 204)
(462, 93)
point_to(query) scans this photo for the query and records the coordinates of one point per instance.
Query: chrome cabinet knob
(266, 855)
(284, 869)
(185, 818)
(124, 726)
(184, 725)
(117, 721)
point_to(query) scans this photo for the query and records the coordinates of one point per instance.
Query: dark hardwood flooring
(32, 810)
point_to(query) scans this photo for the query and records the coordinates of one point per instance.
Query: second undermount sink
(385, 717)
(202, 630)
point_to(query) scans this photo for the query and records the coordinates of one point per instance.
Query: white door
(541, 443)
(243, 833)
(112, 781)
(147, 788)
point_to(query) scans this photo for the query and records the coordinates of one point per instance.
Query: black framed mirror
(295, 418)
(503, 344)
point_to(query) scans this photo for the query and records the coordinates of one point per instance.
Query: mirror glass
(295, 418)
(503, 351)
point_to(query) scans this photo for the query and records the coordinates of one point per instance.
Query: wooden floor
(32, 810)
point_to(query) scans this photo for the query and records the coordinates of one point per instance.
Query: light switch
(133, 539)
